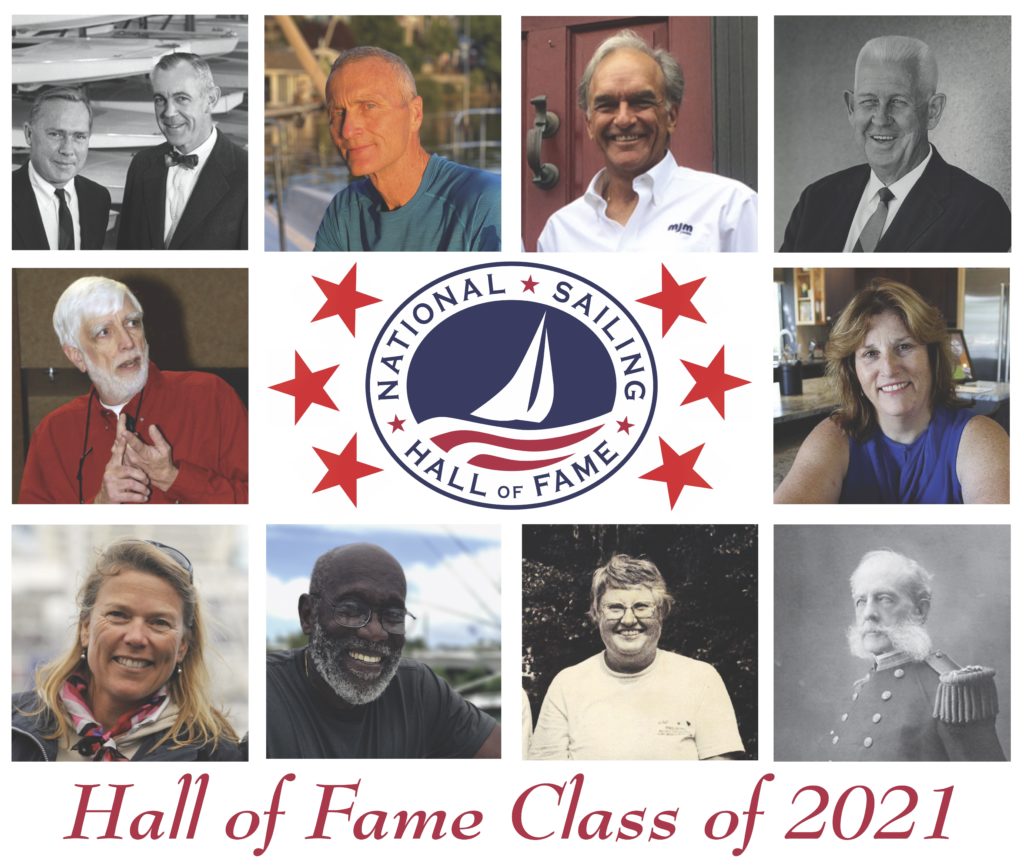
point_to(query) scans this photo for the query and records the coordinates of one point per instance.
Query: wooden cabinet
(938, 286)
(809, 289)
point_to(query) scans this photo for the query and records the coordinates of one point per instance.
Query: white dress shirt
(869, 200)
(49, 207)
(180, 183)
(679, 209)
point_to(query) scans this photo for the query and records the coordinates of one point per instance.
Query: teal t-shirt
(456, 208)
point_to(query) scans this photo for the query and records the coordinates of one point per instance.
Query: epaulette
(965, 695)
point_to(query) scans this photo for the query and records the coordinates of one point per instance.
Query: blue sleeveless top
(884, 471)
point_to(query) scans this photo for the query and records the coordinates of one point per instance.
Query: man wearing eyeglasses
(406, 199)
(642, 200)
(349, 693)
(634, 700)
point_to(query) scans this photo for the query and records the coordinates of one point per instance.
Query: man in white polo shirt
(642, 199)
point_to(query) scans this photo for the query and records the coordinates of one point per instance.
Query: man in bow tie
(190, 193)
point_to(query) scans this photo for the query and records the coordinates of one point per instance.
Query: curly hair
(623, 572)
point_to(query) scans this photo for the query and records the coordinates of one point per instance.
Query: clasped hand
(136, 467)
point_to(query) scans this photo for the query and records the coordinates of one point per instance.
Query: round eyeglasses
(355, 614)
(640, 610)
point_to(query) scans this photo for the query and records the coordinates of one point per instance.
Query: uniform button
(898, 673)
(844, 717)
(877, 718)
(835, 739)
(868, 742)
(886, 695)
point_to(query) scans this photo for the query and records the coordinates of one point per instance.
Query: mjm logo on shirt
(681, 228)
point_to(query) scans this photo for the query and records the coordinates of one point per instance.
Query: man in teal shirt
(406, 199)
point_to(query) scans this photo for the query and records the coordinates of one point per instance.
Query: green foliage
(711, 571)
(383, 31)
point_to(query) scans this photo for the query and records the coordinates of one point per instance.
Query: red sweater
(199, 415)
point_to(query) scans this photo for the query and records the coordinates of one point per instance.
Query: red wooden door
(555, 52)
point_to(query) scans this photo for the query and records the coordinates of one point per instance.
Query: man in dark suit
(48, 211)
(907, 198)
(190, 193)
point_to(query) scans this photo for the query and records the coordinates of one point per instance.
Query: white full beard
(118, 390)
(327, 654)
(910, 638)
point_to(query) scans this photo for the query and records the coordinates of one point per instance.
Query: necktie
(868, 239)
(186, 161)
(65, 228)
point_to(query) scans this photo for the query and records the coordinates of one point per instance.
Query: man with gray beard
(349, 693)
(915, 704)
(140, 435)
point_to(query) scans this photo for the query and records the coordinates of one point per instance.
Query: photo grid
(508, 444)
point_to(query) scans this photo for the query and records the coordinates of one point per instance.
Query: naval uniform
(918, 711)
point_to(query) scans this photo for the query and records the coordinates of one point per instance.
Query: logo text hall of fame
(511, 385)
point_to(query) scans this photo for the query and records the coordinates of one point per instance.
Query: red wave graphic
(450, 440)
(493, 462)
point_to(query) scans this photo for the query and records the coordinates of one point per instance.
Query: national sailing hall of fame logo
(511, 385)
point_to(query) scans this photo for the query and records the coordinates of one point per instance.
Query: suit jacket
(947, 211)
(216, 214)
(27, 225)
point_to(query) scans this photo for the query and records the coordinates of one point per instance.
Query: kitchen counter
(817, 400)
(796, 416)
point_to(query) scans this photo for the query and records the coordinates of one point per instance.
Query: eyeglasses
(641, 611)
(355, 614)
(174, 554)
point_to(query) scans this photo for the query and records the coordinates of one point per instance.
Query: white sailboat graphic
(530, 393)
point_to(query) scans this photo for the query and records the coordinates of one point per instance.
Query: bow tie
(186, 161)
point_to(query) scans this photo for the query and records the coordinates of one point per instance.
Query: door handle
(545, 125)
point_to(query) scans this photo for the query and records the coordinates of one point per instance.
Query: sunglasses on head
(176, 555)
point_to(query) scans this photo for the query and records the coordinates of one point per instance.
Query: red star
(674, 300)
(343, 470)
(677, 471)
(397, 424)
(343, 300)
(711, 382)
(528, 284)
(308, 387)
(624, 425)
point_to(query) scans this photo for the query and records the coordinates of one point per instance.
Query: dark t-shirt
(417, 716)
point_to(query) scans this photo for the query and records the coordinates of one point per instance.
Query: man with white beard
(350, 693)
(140, 435)
(915, 704)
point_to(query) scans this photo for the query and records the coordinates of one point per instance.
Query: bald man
(350, 693)
(906, 198)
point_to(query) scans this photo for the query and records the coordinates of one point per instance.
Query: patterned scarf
(97, 741)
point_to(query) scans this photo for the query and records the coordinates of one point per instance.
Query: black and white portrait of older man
(877, 146)
(924, 671)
